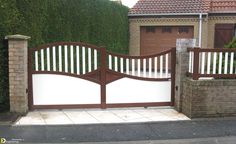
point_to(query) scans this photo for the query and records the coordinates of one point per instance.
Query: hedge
(98, 22)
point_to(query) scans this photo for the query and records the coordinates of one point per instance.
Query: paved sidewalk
(96, 116)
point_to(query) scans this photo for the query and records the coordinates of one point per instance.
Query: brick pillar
(182, 63)
(18, 72)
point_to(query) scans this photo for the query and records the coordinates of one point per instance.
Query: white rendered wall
(51, 89)
(128, 90)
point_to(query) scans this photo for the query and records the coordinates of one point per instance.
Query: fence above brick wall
(212, 63)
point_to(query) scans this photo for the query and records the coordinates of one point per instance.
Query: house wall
(212, 20)
(209, 98)
(208, 28)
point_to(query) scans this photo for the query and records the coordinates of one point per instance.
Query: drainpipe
(200, 30)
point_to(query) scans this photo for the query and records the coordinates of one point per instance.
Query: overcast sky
(129, 3)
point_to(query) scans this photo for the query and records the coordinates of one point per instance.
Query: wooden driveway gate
(78, 75)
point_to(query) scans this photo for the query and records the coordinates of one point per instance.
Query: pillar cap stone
(17, 37)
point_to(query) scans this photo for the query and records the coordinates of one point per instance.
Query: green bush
(232, 44)
(99, 22)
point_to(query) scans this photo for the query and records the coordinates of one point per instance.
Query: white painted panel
(54, 58)
(66, 58)
(89, 60)
(48, 59)
(42, 60)
(208, 62)
(57, 89)
(83, 60)
(77, 60)
(166, 66)
(127, 66)
(116, 64)
(214, 63)
(220, 63)
(60, 59)
(121, 65)
(226, 63)
(128, 90)
(36, 61)
(203, 63)
(161, 66)
(110, 62)
(190, 62)
(150, 67)
(139, 67)
(72, 59)
(144, 67)
(133, 67)
(155, 65)
(231, 62)
(95, 59)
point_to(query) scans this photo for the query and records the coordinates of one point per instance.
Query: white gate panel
(128, 90)
(50, 89)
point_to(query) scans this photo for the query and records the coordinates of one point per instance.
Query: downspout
(200, 30)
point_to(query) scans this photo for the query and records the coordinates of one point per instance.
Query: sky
(129, 3)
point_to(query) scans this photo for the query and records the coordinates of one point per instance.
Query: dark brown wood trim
(30, 82)
(103, 78)
(136, 77)
(117, 105)
(196, 64)
(64, 43)
(66, 106)
(140, 57)
(173, 69)
(218, 75)
(213, 50)
(71, 75)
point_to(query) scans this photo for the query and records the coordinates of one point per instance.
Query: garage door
(155, 39)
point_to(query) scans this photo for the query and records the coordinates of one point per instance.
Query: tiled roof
(152, 7)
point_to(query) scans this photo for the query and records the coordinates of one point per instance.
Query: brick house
(156, 24)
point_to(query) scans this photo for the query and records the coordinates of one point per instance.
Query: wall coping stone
(214, 82)
(17, 37)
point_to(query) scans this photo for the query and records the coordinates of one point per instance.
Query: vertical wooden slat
(127, 66)
(203, 63)
(226, 63)
(36, 61)
(144, 67)
(72, 59)
(48, 59)
(150, 67)
(208, 62)
(231, 62)
(110, 62)
(83, 61)
(95, 59)
(139, 68)
(220, 63)
(54, 58)
(103, 77)
(167, 56)
(214, 63)
(121, 65)
(77, 60)
(161, 66)
(42, 60)
(66, 58)
(89, 60)
(155, 66)
(60, 59)
(133, 66)
(116, 64)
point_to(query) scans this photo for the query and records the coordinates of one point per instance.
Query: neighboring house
(156, 24)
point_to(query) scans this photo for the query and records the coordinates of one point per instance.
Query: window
(166, 30)
(151, 29)
(183, 30)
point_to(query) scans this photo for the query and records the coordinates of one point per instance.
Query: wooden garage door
(155, 39)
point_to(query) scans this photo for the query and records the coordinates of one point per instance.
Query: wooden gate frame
(101, 76)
